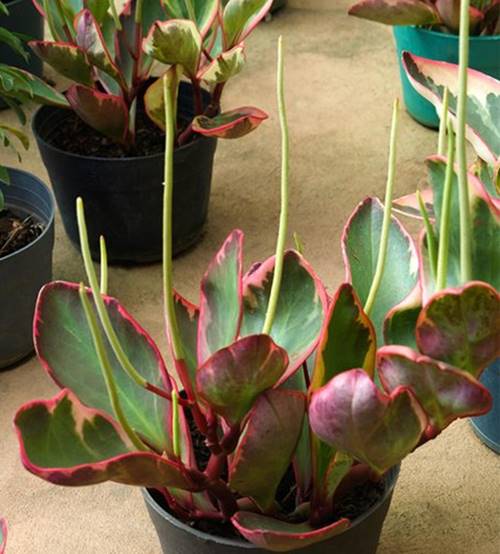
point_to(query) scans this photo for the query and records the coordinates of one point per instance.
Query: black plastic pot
(24, 272)
(361, 538)
(23, 18)
(124, 196)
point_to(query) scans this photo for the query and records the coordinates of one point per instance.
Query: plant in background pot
(429, 28)
(103, 139)
(436, 81)
(254, 453)
(26, 224)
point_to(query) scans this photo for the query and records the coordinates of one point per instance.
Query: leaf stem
(465, 216)
(175, 425)
(430, 235)
(138, 11)
(107, 371)
(190, 10)
(283, 225)
(384, 237)
(444, 230)
(104, 266)
(101, 308)
(443, 123)
(115, 15)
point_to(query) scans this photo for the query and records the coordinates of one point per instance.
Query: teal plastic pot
(484, 56)
(487, 427)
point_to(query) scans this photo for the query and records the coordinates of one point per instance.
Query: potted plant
(26, 226)
(429, 28)
(262, 449)
(436, 81)
(103, 139)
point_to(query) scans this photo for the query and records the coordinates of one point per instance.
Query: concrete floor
(341, 80)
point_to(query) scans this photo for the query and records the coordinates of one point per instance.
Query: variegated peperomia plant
(111, 50)
(277, 378)
(443, 15)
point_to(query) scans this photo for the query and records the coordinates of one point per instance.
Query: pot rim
(450, 36)
(124, 159)
(392, 476)
(50, 222)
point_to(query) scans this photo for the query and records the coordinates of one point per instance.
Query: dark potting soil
(76, 137)
(352, 505)
(17, 231)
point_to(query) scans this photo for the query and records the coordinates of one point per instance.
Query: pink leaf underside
(277, 536)
(408, 205)
(230, 125)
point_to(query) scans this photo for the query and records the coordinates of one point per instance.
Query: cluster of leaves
(438, 14)
(111, 51)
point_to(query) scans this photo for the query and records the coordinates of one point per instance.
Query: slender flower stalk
(107, 370)
(384, 237)
(443, 123)
(283, 225)
(465, 217)
(104, 266)
(430, 235)
(444, 230)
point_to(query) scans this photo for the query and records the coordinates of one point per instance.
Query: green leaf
(300, 312)
(241, 17)
(202, 12)
(220, 298)
(105, 113)
(353, 415)
(280, 536)
(226, 65)
(232, 124)
(360, 247)
(430, 78)
(67, 59)
(396, 12)
(232, 379)
(462, 327)
(187, 319)
(64, 345)
(64, 442)
(175, 42)
(444, 392)
(400, 322)
(267, 445)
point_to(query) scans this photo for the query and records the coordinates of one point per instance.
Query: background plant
(243, 357)
(105, 50)
(442, 15)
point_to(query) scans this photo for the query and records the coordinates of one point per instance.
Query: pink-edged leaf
(106, 113)
(3, 535)
(65, 348)
(360, 249)
(67, 59)
(461, 327)
(175, 42)
(301, 309)
(396, 12)
(230, 125)
(232, 379)
(90, 39)
(401, 321)
(353, 415)
(241, 17)
(408, 204)
(430, 78)
(64, 442)
(444, 392)
(267, 445)
(348, 339)
(449, 13)
(187, 319)
(221, 298)
(280, 536)
(224, 67)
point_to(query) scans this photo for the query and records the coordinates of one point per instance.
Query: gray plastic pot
(361, 538)
(23, 273)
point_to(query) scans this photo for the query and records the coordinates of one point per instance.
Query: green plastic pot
(484, 56)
